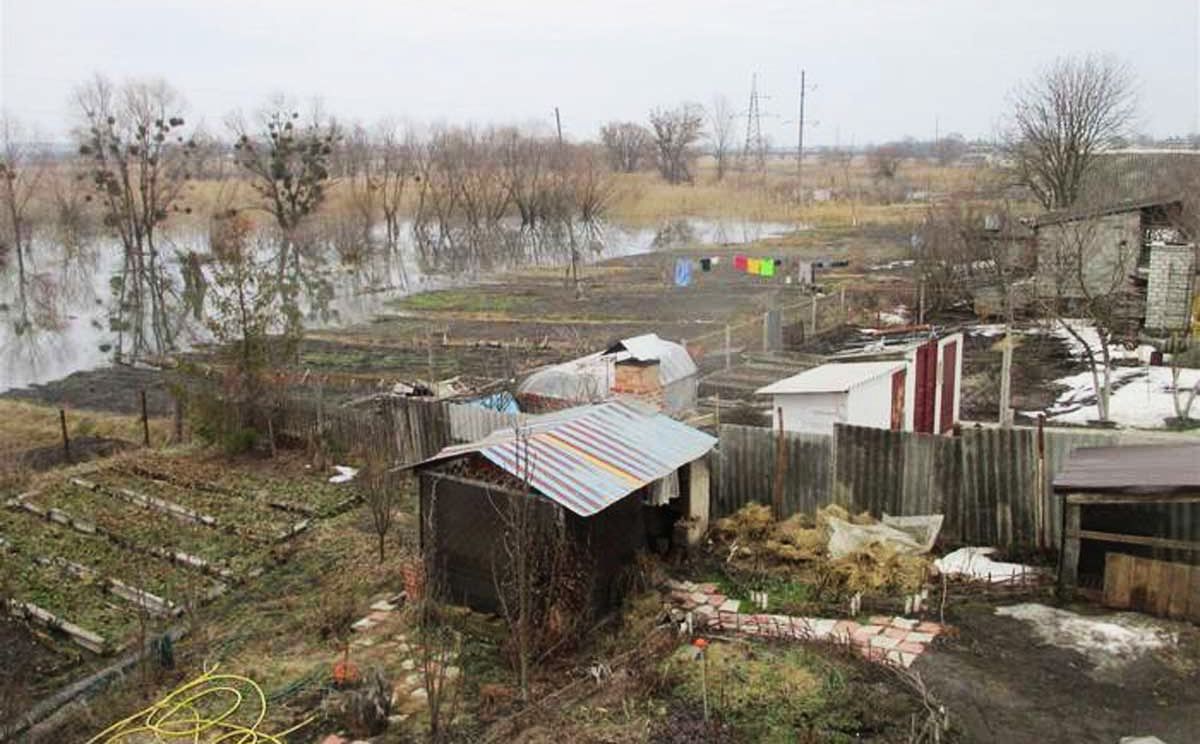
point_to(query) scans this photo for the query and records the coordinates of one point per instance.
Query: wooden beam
(1116, 537)
(1131, 498)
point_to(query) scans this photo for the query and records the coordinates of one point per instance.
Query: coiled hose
(208, 709)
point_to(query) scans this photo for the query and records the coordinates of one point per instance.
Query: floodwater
(63, 324)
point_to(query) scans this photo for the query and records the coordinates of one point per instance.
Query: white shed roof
(831, 378)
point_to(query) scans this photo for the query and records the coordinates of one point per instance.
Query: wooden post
(1068, 567)
(1006, 414)
(780, 467)
(921, 303)
(62, 421)
(718, 413)
(1039, 490)
(766, 331)
(728, 337)
(842, 294)
(814, 315)
(145, 421)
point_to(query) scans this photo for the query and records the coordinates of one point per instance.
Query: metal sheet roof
(832, 378)
(1137, 469)
(588, 458)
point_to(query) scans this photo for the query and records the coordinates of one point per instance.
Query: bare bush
(676, 132)
(627, 144)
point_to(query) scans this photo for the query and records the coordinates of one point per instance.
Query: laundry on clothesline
(683, 272)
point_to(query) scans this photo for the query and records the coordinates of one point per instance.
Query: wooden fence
(993, 485)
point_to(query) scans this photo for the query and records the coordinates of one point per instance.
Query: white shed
(859, 393)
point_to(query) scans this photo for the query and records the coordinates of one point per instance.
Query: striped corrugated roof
(588, 458)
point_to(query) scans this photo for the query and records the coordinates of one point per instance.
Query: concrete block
(884, 642)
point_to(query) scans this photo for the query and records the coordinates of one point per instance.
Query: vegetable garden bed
(307, 496)
(149, 529)
(248, 517)
(83, 604)
(32, 537)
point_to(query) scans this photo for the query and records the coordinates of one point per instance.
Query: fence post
(780, 468)
(145, 421)
(814, 315)
(728, 334)
(62, 422)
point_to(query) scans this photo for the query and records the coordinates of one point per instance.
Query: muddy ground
(1002, 685)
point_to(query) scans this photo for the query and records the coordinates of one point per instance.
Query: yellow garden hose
(186, 714)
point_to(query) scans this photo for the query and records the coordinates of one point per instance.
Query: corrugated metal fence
(990, 483)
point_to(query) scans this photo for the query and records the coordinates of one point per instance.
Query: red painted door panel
(949, 363)
(926, 388)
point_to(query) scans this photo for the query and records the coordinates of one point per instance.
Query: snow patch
(1108, 641)
(1142, 397)
(345, 474)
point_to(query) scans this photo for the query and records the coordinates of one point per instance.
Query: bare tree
(139, 158)
(722, 132)
(627, 145)
(382, 497)
(288, 164)
(676, 131)
(1063, 118)
(949, 149)
(1080, 278)
(396, 169)
(542, 584)
(22, 169)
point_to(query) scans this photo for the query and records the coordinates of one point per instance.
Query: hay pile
(751, 536)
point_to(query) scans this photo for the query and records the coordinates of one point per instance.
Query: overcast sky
(878, 69)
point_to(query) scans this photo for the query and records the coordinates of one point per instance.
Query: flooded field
(61, 320)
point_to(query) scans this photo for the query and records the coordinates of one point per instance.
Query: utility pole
(574, 269)
(800, 143)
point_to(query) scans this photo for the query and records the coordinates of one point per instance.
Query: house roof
(831, 378)
(591, 377)
(1074, 214)
(588, 458)
(1139, 469)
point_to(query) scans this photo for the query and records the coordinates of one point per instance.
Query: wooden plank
(1139, 582)
(1118, 571)
(1068, 570)
(1179, 579)
(1157, 587)
(1193, 609)
(1117, 537)
(1128, 498)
